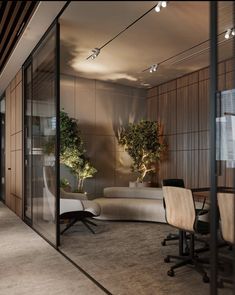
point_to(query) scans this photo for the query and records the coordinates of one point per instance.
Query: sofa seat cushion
(71, 205)
(132, 192)
(131, 209)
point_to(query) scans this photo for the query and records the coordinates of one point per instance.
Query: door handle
(9, 168)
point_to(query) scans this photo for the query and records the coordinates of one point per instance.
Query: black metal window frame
(57, 152)
(3, 96)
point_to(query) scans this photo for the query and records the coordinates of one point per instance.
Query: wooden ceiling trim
(10, 25)
(13, 35)
(5, 8)
(14, 16)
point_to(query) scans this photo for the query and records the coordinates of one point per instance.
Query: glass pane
(225, 143)
(2, 143)
(43, 137)
(28, 170)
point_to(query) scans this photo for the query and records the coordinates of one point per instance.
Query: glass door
(2, 145)
(222, 110)
(41, 138)
(28, 146)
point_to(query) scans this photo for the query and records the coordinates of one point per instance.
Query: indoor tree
(142, 141)
(72, 150)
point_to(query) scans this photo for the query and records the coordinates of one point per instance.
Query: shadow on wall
(101, 108)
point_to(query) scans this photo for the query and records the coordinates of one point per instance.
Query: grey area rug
(128, 258)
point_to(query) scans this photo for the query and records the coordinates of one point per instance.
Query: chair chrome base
(191, 259)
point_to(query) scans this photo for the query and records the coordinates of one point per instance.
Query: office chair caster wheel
(171, 273)
(205, 278)
(167, 259)
(163, 243)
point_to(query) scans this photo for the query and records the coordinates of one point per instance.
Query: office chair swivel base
(79, 216)
(187, 261)
(170, 237)
(175, 237)
(190, 259)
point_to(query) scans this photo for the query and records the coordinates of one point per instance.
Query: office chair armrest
(200, 212)
(200, 226)
(204, 202)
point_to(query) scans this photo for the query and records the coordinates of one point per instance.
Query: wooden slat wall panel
(183, 109)
(152, 108)
(8, 146)
(204, 156)
(193, 107)
(203, 105)
(14, 145)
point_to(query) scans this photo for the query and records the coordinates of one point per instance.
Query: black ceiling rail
(125, 29)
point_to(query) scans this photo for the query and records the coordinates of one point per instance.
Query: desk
(199, 194)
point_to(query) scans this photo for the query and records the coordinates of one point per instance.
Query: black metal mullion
(57, 153)
(213, 177)
(233, 48)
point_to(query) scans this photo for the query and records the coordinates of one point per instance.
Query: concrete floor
(131, 263)
(30, 266)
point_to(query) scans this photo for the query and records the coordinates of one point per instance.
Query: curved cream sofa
(124, 203)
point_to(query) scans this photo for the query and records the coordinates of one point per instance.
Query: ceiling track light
(95, 53)
(229, 33)
(160, 5)
(153, 68)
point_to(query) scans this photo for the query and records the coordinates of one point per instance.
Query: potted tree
(72, 151)
(143, 143)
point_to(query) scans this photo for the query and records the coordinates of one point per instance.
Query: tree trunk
(80, 185)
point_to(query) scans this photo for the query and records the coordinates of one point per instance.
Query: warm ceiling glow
(104, 72)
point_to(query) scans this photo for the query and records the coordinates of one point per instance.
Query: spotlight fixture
(160, 5)
(95, 53)
(227, 34)
(153, 68)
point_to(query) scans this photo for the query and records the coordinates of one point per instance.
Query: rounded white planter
(143, 184)
(139, 184)
(132, 184)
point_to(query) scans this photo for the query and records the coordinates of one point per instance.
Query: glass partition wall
(41, 137)
(2, 146)
(223, 194)
(96, 89)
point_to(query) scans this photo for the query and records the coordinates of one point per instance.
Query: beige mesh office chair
(181, 213)
(226, 210)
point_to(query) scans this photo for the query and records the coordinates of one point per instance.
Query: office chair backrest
(173, 182)
(226, 209)
(180, 209)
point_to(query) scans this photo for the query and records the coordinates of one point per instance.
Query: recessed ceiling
(156, 38)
